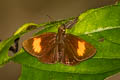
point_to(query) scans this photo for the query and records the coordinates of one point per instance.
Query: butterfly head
(62, 29)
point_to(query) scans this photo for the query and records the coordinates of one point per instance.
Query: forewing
(76, 50)
(42, 47)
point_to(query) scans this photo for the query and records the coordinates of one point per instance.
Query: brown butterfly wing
(67, 57)
(76, 50)
(42, 47)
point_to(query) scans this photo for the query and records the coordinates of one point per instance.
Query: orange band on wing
(36, 45)
(81, 48)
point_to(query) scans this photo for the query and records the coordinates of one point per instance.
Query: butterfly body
(60, 47)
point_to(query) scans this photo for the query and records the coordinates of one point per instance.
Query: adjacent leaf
(6, 44)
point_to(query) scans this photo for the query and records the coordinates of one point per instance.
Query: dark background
(14, 13)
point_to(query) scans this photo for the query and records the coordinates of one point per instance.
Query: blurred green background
(14, 13)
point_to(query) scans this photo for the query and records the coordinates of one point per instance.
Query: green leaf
(98, 20)
(6, 44)
(51, 75)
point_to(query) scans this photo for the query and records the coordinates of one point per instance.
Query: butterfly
(62, 47)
